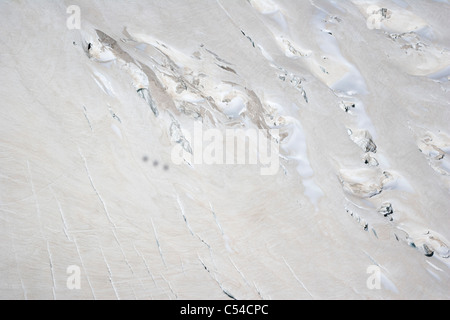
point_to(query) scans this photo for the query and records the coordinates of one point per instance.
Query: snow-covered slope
(353, 94)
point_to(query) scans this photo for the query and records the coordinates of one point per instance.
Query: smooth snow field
(225, 149)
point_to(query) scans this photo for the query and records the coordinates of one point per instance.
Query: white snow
(89, 119)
